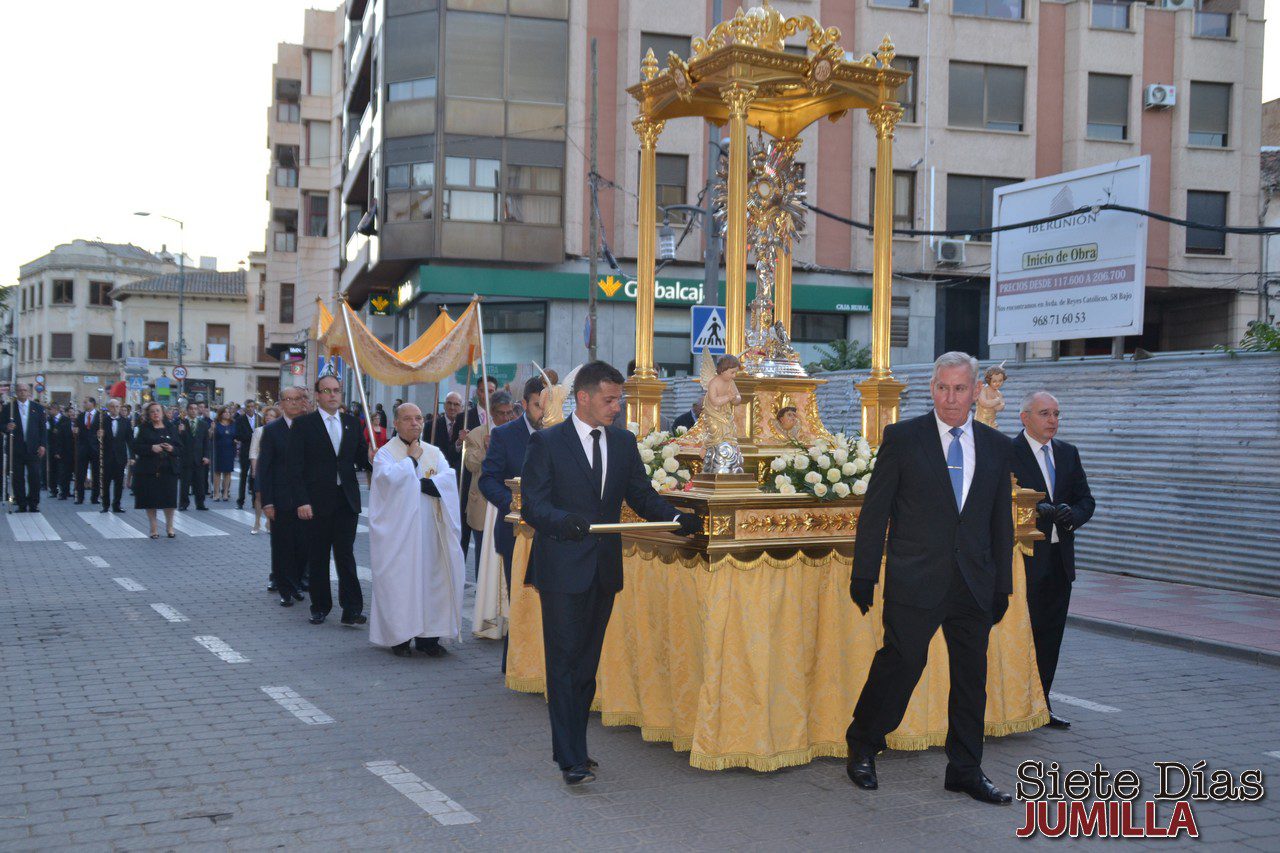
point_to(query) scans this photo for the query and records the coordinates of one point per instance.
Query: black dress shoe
(184, 508)
(862, 771)
(578, 775)
(316, 619)
(271, 586)
(104, 509)
(117, 509)
(286, 601)
(297, 596)
(239, 504)
(353, 621)
(592, 763)
(1056, 722)
(402, 650)
(981, 789)
(203, 507)
(79, 501)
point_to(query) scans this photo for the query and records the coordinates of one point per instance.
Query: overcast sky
(160, 105)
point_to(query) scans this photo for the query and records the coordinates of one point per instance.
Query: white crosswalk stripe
(1087, 704)
(289, 699)
(110, 526)
(427, 797)
(242, 516)
(189, 526)
(168, 613)
(32, 527)
(130, 584)
(221, 649)
(98, 562)
(74, 546)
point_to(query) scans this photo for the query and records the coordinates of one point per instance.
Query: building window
(473, 55)
(317, 207)
(672, 172)
(514, 332)
(1210, 117)
(285, 241)
(904, 198)
(1213, 24)
(471, 189)
(537, 71)
(217, 342)
(100, 293)
(1208, 208)
(157, 339)
(662, 44)
(969, 201)
(286, 302)
(319, 72)
(262, 343)
(900, 322)
(1108, 107)
(986, 96)
(811, 330)
(63, 291)
(533, 195)
(40, 348)
(288, 111)
(897, 4)
(412, 90)
(410, 192)
(317, 144)
(1110, 14)
(262, 297)
(286, 177)
(907, 91)
(1008, 9)
(60, 346)
(671, 353)
(100, 348)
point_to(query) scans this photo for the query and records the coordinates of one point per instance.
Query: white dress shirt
(24, 407)
(1044, 472)
(588, 446)
(966, 444)
(529, 424)
(333, 425)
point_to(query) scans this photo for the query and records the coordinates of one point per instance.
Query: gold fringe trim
(768, 763)
(531, 684)
(914, 743)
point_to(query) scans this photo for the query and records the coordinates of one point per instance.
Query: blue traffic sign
(707, 329)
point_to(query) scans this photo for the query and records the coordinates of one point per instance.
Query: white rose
(781, 480)
(633, 427)
(788, 489)
(777, 464)
(864, 449)
(821, 446)
(859, 465)
(859, 487)
(823, 461)
(871, 466)
(671, 465)
(671, 483)
(813, 477)
(681, 430)
(820, 490)
(833, 475)
(814, 452)
(801, 462)
(841, 490)
(848, 469)
(646, 455)
(669, 451)
(657, 484)
(840, 455)
(683, 474)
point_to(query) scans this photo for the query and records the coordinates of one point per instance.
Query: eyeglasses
(329, 391)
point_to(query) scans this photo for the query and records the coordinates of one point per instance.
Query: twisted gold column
(738, 96)
(782, 268)
(648, 131)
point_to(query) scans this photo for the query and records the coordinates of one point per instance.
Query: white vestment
(414, 547)
(489, 619)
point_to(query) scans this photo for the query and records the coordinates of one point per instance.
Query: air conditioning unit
(949, 253)
(1178, 5)
(1159, 96)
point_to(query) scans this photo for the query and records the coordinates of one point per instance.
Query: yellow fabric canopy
(437, 353)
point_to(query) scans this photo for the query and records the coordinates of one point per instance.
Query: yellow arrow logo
(380, 303)
(609, 285)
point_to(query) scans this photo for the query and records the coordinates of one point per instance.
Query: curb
(1218, 648)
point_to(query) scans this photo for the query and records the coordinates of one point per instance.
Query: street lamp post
(182, 290)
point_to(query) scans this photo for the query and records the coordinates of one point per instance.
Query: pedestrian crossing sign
(707, 329)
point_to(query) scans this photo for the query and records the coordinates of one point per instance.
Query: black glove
(1064, 516)
(1046, 510)
(690, 524)
(863, 593)
(999, 607)
(573, 528)
(429, 488)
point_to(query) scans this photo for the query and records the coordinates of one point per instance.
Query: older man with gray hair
(941, 492)
(1043, 462)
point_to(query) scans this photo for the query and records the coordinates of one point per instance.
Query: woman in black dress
(155, 474)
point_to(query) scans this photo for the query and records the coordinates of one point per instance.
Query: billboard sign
(1080, 276)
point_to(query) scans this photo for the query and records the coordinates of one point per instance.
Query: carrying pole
(355, 365)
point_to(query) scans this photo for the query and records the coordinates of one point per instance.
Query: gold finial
(649, 65)
(764, 27)
(886, 52)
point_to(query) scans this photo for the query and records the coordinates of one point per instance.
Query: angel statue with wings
(554, 395)
(722, 455)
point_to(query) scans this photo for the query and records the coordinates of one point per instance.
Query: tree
(841, 355)
(1261, 337)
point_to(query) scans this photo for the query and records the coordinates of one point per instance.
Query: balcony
(360, 137)
(359, 40)
(1109, 15)
(219, 353)
(1213, 25)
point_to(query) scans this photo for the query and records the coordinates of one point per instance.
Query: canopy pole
(355, 365)
(484, 369)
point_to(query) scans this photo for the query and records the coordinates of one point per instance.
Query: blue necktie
(1048, 466)
(955, 465)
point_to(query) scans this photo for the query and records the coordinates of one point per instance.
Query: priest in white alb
(414, 542)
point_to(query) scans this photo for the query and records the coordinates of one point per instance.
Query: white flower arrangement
(658, 453)
(825, 470)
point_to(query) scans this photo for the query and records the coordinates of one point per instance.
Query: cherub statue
(554, 395)
(990, 400)
(722, 455)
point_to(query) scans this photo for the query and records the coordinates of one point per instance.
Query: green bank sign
(545, 284)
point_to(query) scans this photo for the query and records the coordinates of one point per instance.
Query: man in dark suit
(193, 459)
(477, 413)
(274, 482)
(325, 449)
(87, 450)
(117, 443)
(442, 429)
(1050, 465)
(62, 450)
(941, 488)
(689, 418)
(23, 430)
(504, 461)
(577, 473)
(246, 422)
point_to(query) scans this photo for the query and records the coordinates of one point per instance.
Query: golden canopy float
(741, 76)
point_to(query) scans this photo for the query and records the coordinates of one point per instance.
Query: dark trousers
(244, 477)
(87, 467)
(464, 490)
(1048, 595)
(112, 486)
(289, 551)
(63, 470)
(192, 482)
(897, 666)
(26, 480)
(334, 533)
(573, 625)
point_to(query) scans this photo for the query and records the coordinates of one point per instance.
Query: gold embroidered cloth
(438, 352)
(757, 662)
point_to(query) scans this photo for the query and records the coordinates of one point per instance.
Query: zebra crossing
(89, 525)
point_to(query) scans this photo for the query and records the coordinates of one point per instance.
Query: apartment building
(465, 166)
(304, 137)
